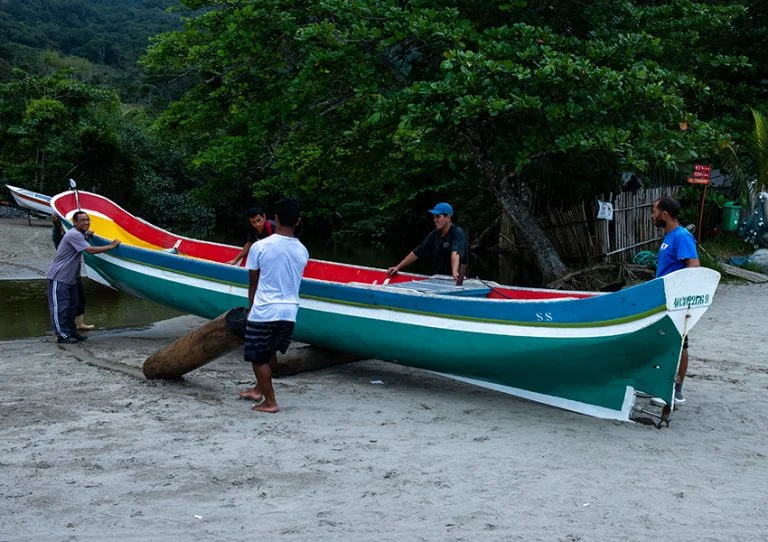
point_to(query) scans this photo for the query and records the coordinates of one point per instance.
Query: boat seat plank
(446, 286)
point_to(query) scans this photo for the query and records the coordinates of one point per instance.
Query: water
(24, 309)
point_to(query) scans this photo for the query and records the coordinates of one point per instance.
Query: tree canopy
(376, 110)
(370, 106)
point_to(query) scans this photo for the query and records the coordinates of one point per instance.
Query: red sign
(700, 174)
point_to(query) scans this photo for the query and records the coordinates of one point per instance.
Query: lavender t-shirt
(66, 265)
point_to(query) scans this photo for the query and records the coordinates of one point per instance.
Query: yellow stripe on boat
(106, 228)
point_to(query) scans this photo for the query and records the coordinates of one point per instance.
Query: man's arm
(686, 251)
(455, 260)
(408, 260)
(98, 250)
(459, 255)
(241, 255)
(253, 283)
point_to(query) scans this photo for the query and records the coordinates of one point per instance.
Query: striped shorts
(263, 339)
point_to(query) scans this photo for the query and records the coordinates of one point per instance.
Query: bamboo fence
(578, 234)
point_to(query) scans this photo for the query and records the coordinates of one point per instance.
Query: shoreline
(89, 448)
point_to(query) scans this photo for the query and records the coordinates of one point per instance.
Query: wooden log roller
(224, 334)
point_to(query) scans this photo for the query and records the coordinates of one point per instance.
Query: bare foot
(252, 394)
(264, 407)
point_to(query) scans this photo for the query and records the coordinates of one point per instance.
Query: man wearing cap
(445, 246)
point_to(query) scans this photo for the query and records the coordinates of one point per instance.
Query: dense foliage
(372, 111)
(64, 67)
(375, 107)
(55, 127)
(112, 32)
(101, 39)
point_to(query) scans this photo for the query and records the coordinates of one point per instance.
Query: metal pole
(73, 186)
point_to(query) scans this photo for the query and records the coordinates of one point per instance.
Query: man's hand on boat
(392, 271)
(99, 250)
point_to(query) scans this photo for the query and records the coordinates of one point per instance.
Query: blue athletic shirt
(678, 245)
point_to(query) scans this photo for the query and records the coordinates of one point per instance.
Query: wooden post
(701, 215)
(210, 341)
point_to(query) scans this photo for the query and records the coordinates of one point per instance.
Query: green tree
(747, 162)
(53, 127)
(48, 125)
(44, 123)
(382, 103)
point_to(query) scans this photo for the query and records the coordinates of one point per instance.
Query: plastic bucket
(731, 215)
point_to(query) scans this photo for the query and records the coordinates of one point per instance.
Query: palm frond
(759, 149)
(734, 166)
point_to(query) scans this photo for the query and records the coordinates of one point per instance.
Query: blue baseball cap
(442, 209)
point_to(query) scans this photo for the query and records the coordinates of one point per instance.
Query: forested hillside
(75, 102)
(111, 32)
(101, 40)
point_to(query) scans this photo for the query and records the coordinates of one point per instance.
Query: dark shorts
(685, 342)
(263, 339)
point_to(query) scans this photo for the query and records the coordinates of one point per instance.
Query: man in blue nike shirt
(677, 251)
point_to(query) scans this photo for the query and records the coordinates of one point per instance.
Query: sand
(90, 451)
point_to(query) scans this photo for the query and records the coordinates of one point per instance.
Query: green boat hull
(595, 371)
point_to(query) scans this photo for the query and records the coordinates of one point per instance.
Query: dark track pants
(63, 304)
(80, 298)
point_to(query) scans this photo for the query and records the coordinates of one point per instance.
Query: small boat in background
(588, 352)
(31, 201)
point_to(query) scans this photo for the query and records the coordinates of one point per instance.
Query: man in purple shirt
(62, 278)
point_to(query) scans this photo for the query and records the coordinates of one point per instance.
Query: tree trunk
(42, 171)
(224, 334)
(547, 259)
(37, 170)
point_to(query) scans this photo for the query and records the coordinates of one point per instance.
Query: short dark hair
(670, 205)
(253, 211)
(288, 212)
(77, 214)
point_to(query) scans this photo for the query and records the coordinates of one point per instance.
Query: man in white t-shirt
(275, 266)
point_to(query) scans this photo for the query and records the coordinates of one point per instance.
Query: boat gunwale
(463, 307)
(415, 294)
(563, 295)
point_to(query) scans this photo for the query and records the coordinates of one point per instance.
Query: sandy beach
(369, 450)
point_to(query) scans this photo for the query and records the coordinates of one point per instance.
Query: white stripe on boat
(402, 317)
(567, 404)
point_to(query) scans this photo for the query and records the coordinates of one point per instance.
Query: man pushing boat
(63, 297)
(445, 246)
(275, 266)
(260, 228)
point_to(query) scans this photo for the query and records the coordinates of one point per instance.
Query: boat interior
(110, 221)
